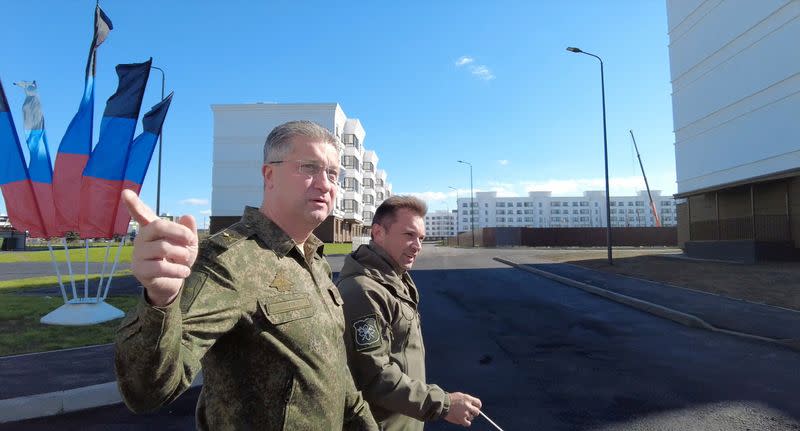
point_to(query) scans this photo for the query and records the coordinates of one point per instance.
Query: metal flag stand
(85, 310)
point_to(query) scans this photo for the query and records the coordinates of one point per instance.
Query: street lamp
(471, 202)
(605, 149)
(458, 238)
(160, 145)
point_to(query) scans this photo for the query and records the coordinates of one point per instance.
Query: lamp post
(471, 202)
(605, 149)
(458, 239)
(160, 145)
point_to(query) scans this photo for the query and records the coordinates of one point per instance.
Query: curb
(66, 401)
(685, 319)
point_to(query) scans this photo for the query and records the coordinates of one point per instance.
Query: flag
(39, 167)
(104, 173)
(73, 152)
(23, 212)
(139, 159)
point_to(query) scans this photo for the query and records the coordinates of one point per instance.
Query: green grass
(77, 255)
(21, 332)
(344, 248)
(52, 280)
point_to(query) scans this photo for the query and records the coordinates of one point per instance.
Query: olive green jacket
(384, 341)
(265, 324)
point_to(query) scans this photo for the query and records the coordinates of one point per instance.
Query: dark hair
(386, 214)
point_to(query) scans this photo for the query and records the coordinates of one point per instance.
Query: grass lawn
(52, 280)
(97, 254)
(21, 332)
(76, 255)
(344, 248)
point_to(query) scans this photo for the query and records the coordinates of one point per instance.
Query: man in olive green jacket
(383, 333)
(255, 309)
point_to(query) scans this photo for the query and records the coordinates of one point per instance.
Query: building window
(367, 215)
(500, 204)
(351, 184)
(379, 196)
(379, 182)
(519, 204)
(351, 140)
(555, 204)
(368, 199)
(350, 205)
(368, 167)
(350, 162)
(639, 203)
(500, 211)
(369, 183)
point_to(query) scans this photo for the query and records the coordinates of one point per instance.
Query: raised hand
(163, 252)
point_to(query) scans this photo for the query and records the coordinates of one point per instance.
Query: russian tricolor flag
(23, 211)
(103, 176)
(76, 145)
(139, 159)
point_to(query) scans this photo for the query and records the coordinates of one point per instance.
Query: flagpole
(58, 273)
(113, 268)
(69, 266)
(103, 272)
(160, 146)
(86, 273)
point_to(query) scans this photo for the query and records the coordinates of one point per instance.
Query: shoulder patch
(366, 333)
(191, 288)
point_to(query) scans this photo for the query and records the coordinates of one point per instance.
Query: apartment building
(440, 224)
(239, 134)
(542, 209)
(735, 99)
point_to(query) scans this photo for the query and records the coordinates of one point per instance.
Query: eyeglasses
(312, 169)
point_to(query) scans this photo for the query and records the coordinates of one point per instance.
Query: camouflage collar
(273, 236)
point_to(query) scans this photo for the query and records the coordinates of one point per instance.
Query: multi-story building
(440, 224)
(541, 209)
(735, 98)
(239, 134)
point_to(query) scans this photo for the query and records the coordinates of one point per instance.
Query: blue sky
(522, 109)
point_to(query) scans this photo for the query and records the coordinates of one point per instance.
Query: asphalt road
(543, 356)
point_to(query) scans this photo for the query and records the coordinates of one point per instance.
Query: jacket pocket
(285, 308)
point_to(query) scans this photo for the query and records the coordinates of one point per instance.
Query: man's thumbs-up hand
(163, 252)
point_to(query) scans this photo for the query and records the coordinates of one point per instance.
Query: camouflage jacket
(383, 336)
(265, 324)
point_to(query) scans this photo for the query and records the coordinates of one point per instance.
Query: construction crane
(649, 195)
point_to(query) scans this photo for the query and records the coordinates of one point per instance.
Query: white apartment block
(440, 224)
(735, 73)
(541, 209)
(240, 131)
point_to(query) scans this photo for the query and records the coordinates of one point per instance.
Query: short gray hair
(279, 141)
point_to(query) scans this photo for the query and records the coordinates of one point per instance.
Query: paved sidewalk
(719, 311)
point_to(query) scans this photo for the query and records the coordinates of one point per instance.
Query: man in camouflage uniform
(255, 308)
(383, 333)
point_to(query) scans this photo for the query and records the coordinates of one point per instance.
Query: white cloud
(482, 72)
(503, 162)
(464, 60)
(194, 202)
(205, 212)
(620, 186)
(429, 196)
